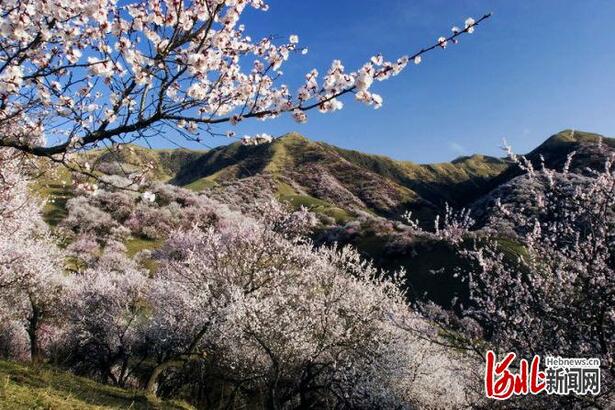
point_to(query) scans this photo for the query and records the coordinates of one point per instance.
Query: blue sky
(533, 69)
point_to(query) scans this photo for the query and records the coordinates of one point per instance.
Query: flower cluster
(541, 273)
(247, 298)
(108, 71)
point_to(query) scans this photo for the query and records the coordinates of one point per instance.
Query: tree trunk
(305, 398)
(176, 361)
(152, 382)
(272, 400)
(33, 324)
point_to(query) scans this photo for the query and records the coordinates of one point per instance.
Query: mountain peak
(561, 144)
(572, 137)
(294, 136)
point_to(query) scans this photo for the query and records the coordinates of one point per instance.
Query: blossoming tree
(32, 285)
(288, 325)
(554, 293)
(74, 74)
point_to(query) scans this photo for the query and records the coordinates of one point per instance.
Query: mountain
(342, 183)
(337, 183)
(364, 195)
(359, 197)
(163, 164)
(304, 171)
(555, 150)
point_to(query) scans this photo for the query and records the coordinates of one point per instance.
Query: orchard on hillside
(554, 295)
(233, 303)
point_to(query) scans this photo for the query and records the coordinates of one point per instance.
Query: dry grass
(29, 387)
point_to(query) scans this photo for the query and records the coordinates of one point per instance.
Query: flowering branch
(93, 72)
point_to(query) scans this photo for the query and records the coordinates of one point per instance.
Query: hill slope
(554, 151)
(358, 196)
(350, 180)
(162, 164)
(25, 387)
(343, 183)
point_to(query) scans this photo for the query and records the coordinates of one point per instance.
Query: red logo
(501, 383)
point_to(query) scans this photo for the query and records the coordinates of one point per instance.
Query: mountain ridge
(335, 179)
(358, 198)
(386, 186)
(354, 181)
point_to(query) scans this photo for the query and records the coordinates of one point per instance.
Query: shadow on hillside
(43, 387)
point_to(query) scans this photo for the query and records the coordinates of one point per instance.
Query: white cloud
(457, 148)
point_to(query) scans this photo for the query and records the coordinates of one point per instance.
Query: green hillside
(349, 179)
(161, 164)
(555, 150)
(338, 181)
(30, 387)
(338, 184)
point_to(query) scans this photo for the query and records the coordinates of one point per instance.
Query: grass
(280, 157)
(43, 387)
(200, 184)
(136, 245)
(55, 188)
(511, 248)
(55, 208)
(287, 194)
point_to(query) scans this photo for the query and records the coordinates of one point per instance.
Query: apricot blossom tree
(75, 74)
(32, 285)
(553, 293)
